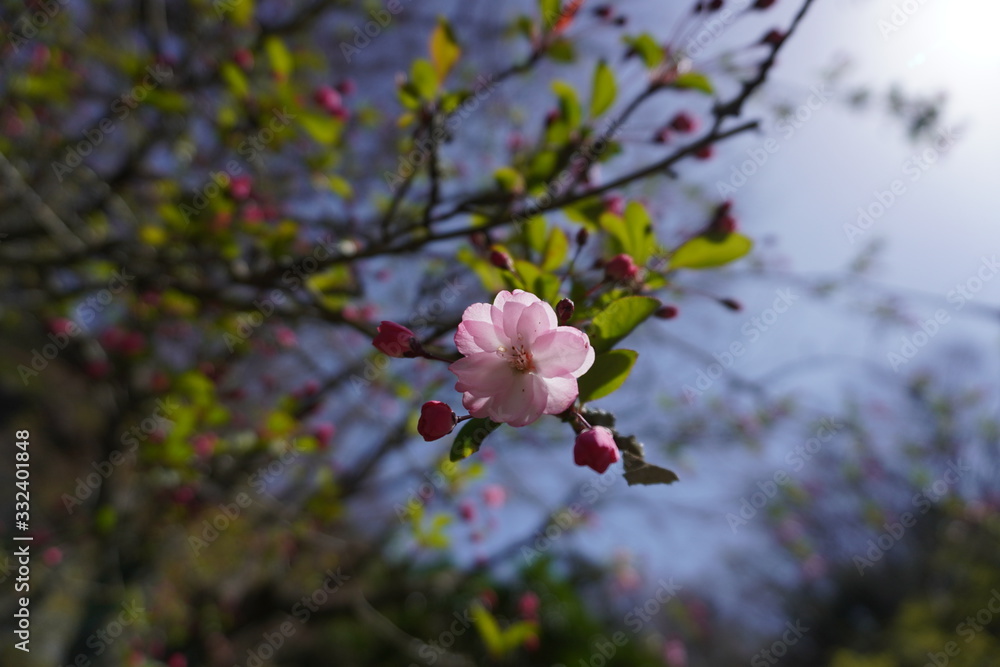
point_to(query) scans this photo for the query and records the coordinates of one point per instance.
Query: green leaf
(534, 233)
(569, 104)
(444, 49)
(639, 231)
(694, 81)
(604, 91)
(549, 9)
(235, 80)
(324, 129)
(471, 437)
(516, 634)
(509, 180)
(609, 372)
(556, 249)
(562, 50)
(488, 629)
(281, 59)
(647, 48)
(424, 78)
(619, 320)
(704, 252)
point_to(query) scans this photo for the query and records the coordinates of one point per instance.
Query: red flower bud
(596, 448)
(774, 37)
(346, 87)
(603, 11)
(394, 340)
(684, 122)
(528, 604)
(564, 310)
(501, 260)
(763, 4)
(621, 267)
(436, 420)
(582, 236)
(666, 312)
(705, 152)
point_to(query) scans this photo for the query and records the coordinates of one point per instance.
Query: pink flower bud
(467, 511)
(528, 604)
(773, 37)
(666, 312)
(501, 260)
(615, 204)
(596, 448)
(243, 58)
(564, 310)
(494, 496)
(684, 122)
(328, 98)
(240, 187)
(394, 340)
(436, 420)
(324, 432)
(621, 267)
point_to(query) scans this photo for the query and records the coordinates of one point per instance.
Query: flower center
(519, 358)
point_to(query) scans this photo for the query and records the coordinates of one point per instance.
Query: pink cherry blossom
(519, 363)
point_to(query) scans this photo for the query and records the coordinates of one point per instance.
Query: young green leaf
(424, 78)
(604, 91)
(694, 81)
(619, 320)
(647, 48)
(281, 59)
(471, 437)
(556, 249)
(639, 231)
(609, 372)
(703, 252)
(444, 49)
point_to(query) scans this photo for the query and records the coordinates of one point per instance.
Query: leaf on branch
(444, 49)
(637, 471)
(471, 437)
(604, 90)
(703, 252)
(694, 81)
(619, 320)
(609, 372)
